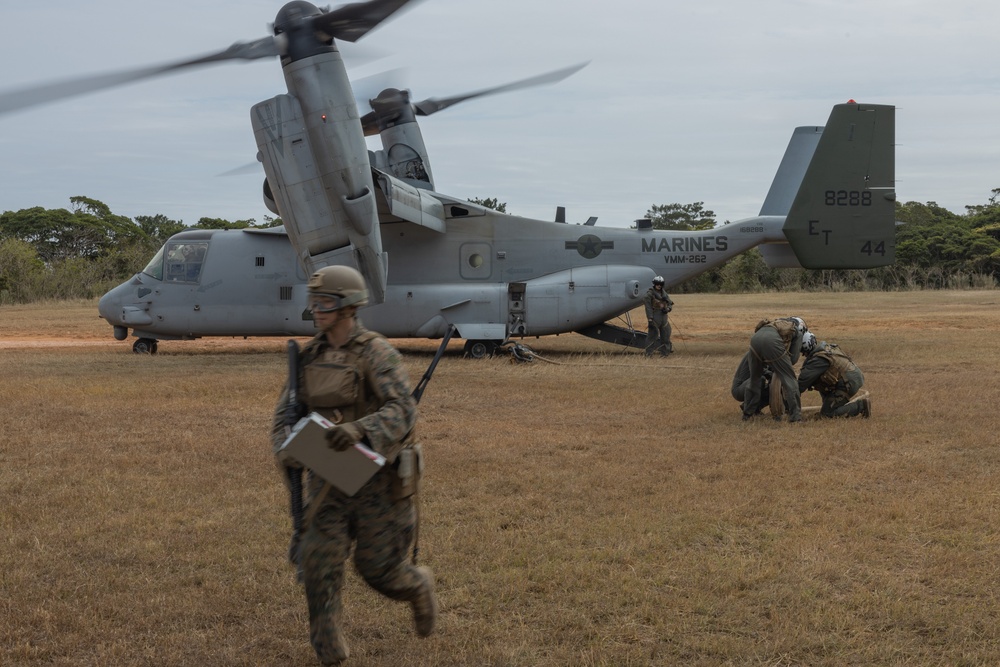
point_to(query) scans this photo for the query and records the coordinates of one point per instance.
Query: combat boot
(866, 407)
(334, 649)
(425, 606)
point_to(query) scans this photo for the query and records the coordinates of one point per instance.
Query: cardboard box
(347, 470)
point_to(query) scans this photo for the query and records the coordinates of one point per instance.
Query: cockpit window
(184, 260)
(155, 266)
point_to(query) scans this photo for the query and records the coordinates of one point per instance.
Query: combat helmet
(343, 285)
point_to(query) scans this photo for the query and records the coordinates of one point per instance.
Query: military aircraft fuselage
(492, 276)
(488, 273)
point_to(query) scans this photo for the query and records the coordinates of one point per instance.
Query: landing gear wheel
(777, 402)
(480, 349)
(144, 346)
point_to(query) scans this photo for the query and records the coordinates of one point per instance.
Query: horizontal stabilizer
(779, 256)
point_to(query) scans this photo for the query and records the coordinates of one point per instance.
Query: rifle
(418, 391)
(293, 412)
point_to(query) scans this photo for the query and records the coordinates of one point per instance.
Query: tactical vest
(336, 382)
(840, 366)
(784, 325)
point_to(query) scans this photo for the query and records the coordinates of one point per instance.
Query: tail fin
(843, 215)
(791, 171)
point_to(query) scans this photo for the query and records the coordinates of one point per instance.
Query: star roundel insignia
(589, 246)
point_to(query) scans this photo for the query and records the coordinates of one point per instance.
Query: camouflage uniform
(832, 373)
(658, 304)
(776, 343)
(363, 382)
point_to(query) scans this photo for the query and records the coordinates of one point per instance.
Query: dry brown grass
(602, 510)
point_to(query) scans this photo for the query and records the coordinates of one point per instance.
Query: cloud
(682, 102)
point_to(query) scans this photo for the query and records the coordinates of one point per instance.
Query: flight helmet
(808, 343)
(337, 287)
(800, 324)
(658, 280)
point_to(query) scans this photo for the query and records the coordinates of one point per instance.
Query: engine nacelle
(269, 199)
(313, 152)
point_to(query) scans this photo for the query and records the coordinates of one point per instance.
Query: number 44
(879, 249)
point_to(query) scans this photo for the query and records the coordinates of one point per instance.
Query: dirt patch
(30, 343)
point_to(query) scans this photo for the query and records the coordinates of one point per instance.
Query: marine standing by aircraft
(657, 304)
(432, 261)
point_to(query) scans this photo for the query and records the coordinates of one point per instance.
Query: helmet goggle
(325, 303)
(328, 303)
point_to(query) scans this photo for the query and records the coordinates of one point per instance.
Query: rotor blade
(357, 55)
(367, 87)
(435, 104)
(369, 124)
(352, 22)
(389, 105)
(50, 92)
(249, 168)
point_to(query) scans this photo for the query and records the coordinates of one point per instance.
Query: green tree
(490, 202)
(117, 228)
(220, 223)
(948, 246)
(681, 217)
(21, 271)
(56, 234)
(988, 212)
(748, 272)
(986, 218)
(159, 227)
(924, 214)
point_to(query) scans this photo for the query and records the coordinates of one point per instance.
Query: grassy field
(603, 509)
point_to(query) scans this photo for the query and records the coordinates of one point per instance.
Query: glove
(284, 460)
(343, 437)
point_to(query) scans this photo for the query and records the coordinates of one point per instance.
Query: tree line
(83, 251)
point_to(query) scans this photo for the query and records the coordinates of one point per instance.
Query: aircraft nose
(110, 305)
(111, 308)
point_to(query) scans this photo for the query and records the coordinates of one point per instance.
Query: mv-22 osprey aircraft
(434, 261)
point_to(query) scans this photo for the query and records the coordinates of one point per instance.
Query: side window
(184, 261)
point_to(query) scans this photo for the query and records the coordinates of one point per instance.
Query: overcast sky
(682, 101)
